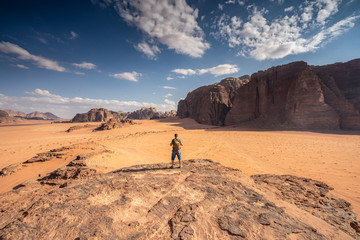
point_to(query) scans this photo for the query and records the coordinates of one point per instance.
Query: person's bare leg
(180, 164)
(172, 163)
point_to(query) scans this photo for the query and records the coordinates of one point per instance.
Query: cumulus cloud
(85, 65)
(22, 66)
(168, 95)
(168, 87)
(73, 35)
(45, 101)
(169, 78)
(10, 48)
(170, 102)
(218, 70)
(172, 23)
(261, 38)
(150, 51)
(130, 76)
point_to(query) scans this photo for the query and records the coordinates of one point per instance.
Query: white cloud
(131, 76)
(230, 2)
(44, 101)
(169, 78)
(220, 7)
(261, 38)
(168, 95)
(169, 102)
(74, 35)
(172, 23)
(10, 48)
(150, 52)
(168, 87)
(22, 66)
(241, 3)
(85, 65)
(289, 9)
(326, 9)
(218, 70)
(79, 73)
(187, 72)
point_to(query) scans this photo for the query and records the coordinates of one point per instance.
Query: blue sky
(69, 56)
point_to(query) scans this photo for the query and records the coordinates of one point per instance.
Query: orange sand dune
(331, 157)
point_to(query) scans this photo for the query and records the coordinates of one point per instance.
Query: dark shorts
(174, 154)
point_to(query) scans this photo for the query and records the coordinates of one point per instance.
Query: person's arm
(180, 142)
(171, 142)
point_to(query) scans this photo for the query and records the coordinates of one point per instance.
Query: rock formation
(210, 104)
(294, 95)
(95, 115)
(143, 113)
(160, 115)
(203, 200)
(113, 124)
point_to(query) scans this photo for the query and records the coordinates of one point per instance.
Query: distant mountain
(13, 113)
(3, 114)
(41, 116)
(33, 115)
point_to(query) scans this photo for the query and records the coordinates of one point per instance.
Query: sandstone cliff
(295, 96)
(203, 200)
(210, 104)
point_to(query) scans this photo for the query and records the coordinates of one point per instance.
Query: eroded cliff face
(210, 104)
(341, 87)
(295, 96)
(288, 95)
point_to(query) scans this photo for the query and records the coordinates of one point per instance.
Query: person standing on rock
(176, 144)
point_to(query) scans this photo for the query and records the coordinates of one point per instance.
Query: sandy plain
(331, 157)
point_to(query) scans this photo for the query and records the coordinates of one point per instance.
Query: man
(176, 144)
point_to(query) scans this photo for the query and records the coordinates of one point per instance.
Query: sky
(67, 57)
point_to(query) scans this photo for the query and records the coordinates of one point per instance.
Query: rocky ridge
(203, 200)
(294, 96)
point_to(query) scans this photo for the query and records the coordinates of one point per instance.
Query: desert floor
(331, 157)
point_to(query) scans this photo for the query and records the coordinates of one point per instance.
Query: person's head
(176, 135)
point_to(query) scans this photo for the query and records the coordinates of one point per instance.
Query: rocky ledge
(202, 200)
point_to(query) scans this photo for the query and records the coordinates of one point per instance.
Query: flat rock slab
(202, 200)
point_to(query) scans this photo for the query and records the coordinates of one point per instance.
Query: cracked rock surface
(202, 200)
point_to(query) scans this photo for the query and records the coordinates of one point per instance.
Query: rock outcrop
(95, 115)
(113, 124)
(160, 115)
(203, 200)
(142, 114)
(295, 96)
(210, 104)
